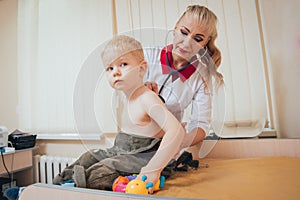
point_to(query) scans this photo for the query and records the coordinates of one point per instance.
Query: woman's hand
(152, 176)
(152, 86)
(183, 124)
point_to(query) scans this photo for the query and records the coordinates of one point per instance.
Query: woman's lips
(180, 50)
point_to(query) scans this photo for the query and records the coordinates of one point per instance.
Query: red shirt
(182, 74)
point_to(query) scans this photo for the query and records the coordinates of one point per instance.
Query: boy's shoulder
(149, 97)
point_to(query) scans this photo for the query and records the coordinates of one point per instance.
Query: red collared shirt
(182, 74)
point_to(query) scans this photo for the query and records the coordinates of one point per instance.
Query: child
(150, 135)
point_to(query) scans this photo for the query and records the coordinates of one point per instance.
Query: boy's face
(125, 72)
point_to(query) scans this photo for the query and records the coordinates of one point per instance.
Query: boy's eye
(123, 64)
(109, 69)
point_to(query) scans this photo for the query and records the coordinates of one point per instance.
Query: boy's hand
(152, 176)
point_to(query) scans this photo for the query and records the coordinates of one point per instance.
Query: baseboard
(247, 148)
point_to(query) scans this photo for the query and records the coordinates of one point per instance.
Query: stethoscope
(176, 71)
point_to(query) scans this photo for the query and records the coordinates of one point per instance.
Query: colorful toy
(130, 184)
(137, 186)
(120, 183)
(160, 183)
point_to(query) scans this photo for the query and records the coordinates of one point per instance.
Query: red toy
(136, 186)
(120, 183)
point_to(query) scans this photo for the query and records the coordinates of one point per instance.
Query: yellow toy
(138, 186)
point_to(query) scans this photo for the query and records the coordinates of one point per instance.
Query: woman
(181, 73)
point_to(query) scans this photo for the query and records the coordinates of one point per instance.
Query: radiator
(46, 167)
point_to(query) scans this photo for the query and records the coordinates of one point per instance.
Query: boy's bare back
(135, 117)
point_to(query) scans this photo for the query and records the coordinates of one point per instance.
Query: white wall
(8, 64)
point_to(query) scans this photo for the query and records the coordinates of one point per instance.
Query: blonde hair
(121, 45)
(211, 58)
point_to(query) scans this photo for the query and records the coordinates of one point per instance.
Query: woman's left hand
(152, 86)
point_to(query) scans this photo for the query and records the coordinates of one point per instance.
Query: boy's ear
(143, 68)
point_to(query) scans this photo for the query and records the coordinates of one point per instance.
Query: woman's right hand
(152, 86)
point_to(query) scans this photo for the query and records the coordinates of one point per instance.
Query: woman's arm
(194, 137)
(201, 113)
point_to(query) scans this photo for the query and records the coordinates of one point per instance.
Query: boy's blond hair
(119, 46)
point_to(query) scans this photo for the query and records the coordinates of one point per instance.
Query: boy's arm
(173, 137)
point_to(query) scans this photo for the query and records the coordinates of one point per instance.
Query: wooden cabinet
(19, 164)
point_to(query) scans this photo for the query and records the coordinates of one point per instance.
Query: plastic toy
(130, 184)
(137, 186)
(120, 183)
(160, 183)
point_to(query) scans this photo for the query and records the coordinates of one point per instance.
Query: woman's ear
(143, 68)
(209, 38)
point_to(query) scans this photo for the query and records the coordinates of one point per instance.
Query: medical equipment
(174, 72)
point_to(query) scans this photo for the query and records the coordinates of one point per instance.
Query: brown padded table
(238, 178)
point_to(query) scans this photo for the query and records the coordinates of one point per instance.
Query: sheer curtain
(247, 108)
(56, 36)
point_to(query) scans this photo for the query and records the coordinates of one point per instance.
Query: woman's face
(189, 38)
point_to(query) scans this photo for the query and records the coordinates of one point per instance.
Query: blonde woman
(181, 73)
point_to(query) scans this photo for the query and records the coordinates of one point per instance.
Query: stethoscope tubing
(171, 72)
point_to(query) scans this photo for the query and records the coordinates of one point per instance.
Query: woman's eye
(198, 39)
(183, 32)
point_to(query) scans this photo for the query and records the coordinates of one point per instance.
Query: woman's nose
(187, 41)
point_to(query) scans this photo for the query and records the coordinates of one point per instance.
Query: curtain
(56, 36)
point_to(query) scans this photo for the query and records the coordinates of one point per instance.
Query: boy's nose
(116, 71)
